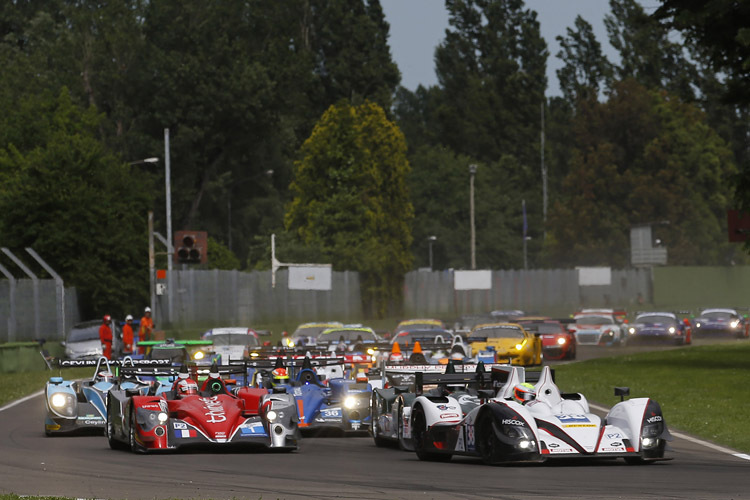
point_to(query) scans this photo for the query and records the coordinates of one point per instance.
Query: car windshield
(310, 330)
(472, 321)
(424, 335)
(426, 325)
(719, 315)
(347, 335)
(238, 339)
(544, 327)
(177, 355)
(594, 320)
(656, 318)
(80, 334)
(498, 332)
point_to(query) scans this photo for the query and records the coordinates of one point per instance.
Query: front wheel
(487, 441)
(110, 429)
(379, 441)
(419, 437)
(134, 446)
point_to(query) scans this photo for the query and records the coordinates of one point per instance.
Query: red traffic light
(191, 247)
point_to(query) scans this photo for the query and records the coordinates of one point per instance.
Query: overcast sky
(418, 26)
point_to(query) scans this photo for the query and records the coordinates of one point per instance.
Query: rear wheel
(110, 429)
(379, 441)
(134, 446)
(419, 437)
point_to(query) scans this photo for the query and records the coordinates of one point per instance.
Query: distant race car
(209, 416)
(233, 343)
(596, 327)
(659, 327)
(419, 324)
(557, 341)
(712, 322)
(306, 333)
(553, 426)
(82, 341)
(79, 405)
(436, 343)
(347, 338)
(505, 343)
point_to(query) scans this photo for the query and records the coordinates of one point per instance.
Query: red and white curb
(701, 442)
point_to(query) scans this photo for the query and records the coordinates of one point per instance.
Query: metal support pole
(472, 173)
(12, 298)
(544, 184)
(151, 262)
(35, 280)
(170, 236)
(60, 286)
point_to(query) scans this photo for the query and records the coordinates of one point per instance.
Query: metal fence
(432, 293)
(29, 312)
(211, 298)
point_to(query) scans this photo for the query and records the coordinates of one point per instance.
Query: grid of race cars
(469, 389)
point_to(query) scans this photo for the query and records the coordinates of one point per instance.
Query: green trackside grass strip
(17, 385)
(703, 391)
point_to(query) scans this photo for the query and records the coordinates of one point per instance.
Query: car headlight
(271, 415)
(734, 323)
(198, 355)
(648, 442)
(672, 329)
(254, 354)
(370, 351)
(58, 400)
(631, 330)
(519, 347)
(350, 402)
(698, 324)
(162, 417)
(561, 341)
(64, 404)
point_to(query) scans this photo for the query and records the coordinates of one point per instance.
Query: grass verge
(17, 385)
(703, 390)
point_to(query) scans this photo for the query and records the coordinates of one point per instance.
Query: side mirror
(622, 392)
(62, 343)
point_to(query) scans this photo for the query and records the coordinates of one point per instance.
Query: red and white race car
(597, 327)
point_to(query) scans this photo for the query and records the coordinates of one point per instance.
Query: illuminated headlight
(162, 417)
(631, 330)
(58, 400)
(672, 329)
(289, 343)
(271, 415)
(734, 323)
(370, 351)
(374, 359)
(698, 325)
(198, 355)
(561, 341)
(254, 355)
(350, 402)
(525, 444)
(519, 347)
(648, 442)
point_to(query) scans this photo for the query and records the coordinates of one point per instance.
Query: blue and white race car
(659, 327)
(711, 322)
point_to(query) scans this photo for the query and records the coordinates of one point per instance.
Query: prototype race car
(419, 324)
(721, 322)
(505, 343)
(79, 405)
(306, 333)
(553, 425)
(184, 416)
(592, 327)
(659, 327)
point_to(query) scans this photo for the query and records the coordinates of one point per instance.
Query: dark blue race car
(659, 327)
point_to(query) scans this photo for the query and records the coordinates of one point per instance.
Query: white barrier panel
(309, 277)
(472, 280)
(588, 276)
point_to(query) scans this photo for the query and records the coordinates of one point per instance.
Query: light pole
(472, 173)
(145, 160)
(430, 241)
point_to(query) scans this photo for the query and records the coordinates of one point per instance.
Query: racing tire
(419, 436)
(400, 429)
(134, 446)
(379, 441)
(487, 442)
(637, 461)
(109, 430)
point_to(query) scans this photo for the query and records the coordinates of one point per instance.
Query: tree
(75, 203)
(350, 199)
(586, 70)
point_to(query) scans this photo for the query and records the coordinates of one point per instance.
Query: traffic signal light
(190, 247)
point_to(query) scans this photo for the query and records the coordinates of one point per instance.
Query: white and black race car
(554, 426)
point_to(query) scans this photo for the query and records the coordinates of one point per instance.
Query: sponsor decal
(449, 415)
(573, 418)
(151, 406)
(445, 407)
(214, 410)
(614, 435)
(185, 433)
(89, 417)
(355, 424)
(331, 413)
(580, 425)
(611, 449)
(470, 439)
(554, 445)
(513, 421)
(180, 425)
(91, 422)
(221, 435)
(252, 429)
(616, 443)
(561, 450)
(655, 418)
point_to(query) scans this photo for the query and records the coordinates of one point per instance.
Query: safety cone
(417, 348)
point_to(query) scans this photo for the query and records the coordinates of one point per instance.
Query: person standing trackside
(146, 330)
(105, 335)
(127, 336)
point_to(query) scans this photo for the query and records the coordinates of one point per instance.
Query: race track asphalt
(340, 468)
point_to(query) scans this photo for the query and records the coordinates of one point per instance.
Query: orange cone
(417, 348)
(396, 349)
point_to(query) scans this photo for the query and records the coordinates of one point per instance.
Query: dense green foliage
(350, 199)
(88, 89)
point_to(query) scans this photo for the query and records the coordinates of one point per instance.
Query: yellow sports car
(503, 342)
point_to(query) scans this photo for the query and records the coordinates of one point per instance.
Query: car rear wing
(479, 380)
(77, 363)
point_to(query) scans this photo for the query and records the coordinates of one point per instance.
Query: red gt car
(183, 413)
(557, 342)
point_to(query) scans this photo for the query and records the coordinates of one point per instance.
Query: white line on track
(691, 439)
(19, 401)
